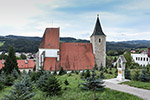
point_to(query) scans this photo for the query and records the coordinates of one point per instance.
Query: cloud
(120, 19)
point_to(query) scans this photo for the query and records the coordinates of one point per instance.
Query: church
(53, 54)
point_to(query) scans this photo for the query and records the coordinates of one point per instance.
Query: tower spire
(98, 29)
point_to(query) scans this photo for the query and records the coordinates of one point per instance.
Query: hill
(30, 44)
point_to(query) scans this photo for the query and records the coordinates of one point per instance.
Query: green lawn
(144, 85)
(73, 92)
(1, 43)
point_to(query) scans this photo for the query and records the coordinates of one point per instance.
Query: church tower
(98, 40)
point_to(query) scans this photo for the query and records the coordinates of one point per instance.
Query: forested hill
(30, 44)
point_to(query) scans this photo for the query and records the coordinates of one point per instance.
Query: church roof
(50, 39)
(73, 56)
(98, 29)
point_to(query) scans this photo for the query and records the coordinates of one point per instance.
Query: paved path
(142, 93)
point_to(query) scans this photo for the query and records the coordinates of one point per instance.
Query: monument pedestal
(120, 76)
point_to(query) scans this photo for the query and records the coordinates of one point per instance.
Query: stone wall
(99, 49)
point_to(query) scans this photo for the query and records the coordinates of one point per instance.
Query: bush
(35, 75)
(1, 85)
(51, 86)
(82, 74)
(66, 82)
(135, 75)
(127, 74)
(93, 83)
(102, 75)
(9, 80)
(87, 73)
(42, 80)
(77, 72)
(20, 91)
(144, 77)
(62, 71)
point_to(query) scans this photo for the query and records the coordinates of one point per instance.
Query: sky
(121, 20)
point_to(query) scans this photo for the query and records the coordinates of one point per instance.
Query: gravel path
(142, 93)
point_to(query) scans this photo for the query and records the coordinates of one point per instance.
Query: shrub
(77, 72)
(9, 80)
(62, 71)
(102, 75)
(42, 80)
(93, 83)
(82, 74)
(66, 82)
(136, 75)
(35, 75)
(144, 77)
(20, 91)
(51, 86)
(127, 74)
(55, 72)
(87, 73)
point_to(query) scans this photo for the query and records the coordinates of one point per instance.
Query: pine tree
(102, 75)
(66, 82)
(20, 90)
(87, 73)
(62, 71)
(93, 83)
(11, 62)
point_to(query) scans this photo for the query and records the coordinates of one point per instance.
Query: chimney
(2, 61)
(26, 61)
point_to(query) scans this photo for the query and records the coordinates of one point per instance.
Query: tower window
(99, 40)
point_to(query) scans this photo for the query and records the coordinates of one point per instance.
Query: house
(22, 64)
(143, 58)
(52, 54)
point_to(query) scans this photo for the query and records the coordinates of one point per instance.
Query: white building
(142, 58)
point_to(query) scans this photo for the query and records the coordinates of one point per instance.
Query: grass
(138, 84)
(1, 43)
(73, 92)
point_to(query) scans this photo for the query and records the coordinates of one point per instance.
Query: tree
(20, 90)
(127, 74)
(93, 83)
(23, 56)
(87, 73)
(128, 57)
(62, 71)
(49, 84)
(66, 82)
(136, 74)
(11, 62)
(144, 77)
(102, 75)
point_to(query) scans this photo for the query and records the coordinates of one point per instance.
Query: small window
(136, 58)
(99, 40)
(147, 59)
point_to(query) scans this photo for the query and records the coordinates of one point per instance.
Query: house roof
(73, 56)
(22, 64)
(98, 29)
(122, 58)
(50, 39)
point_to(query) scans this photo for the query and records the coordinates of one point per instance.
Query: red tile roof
(50, 39)
(73, 56)
(22, 64)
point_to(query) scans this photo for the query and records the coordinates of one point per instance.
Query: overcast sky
(120, 19)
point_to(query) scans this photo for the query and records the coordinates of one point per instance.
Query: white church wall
(141, 59)
(48, 53)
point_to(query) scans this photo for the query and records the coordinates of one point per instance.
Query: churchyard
(76, 85)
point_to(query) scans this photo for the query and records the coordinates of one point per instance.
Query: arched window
(99, 40)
